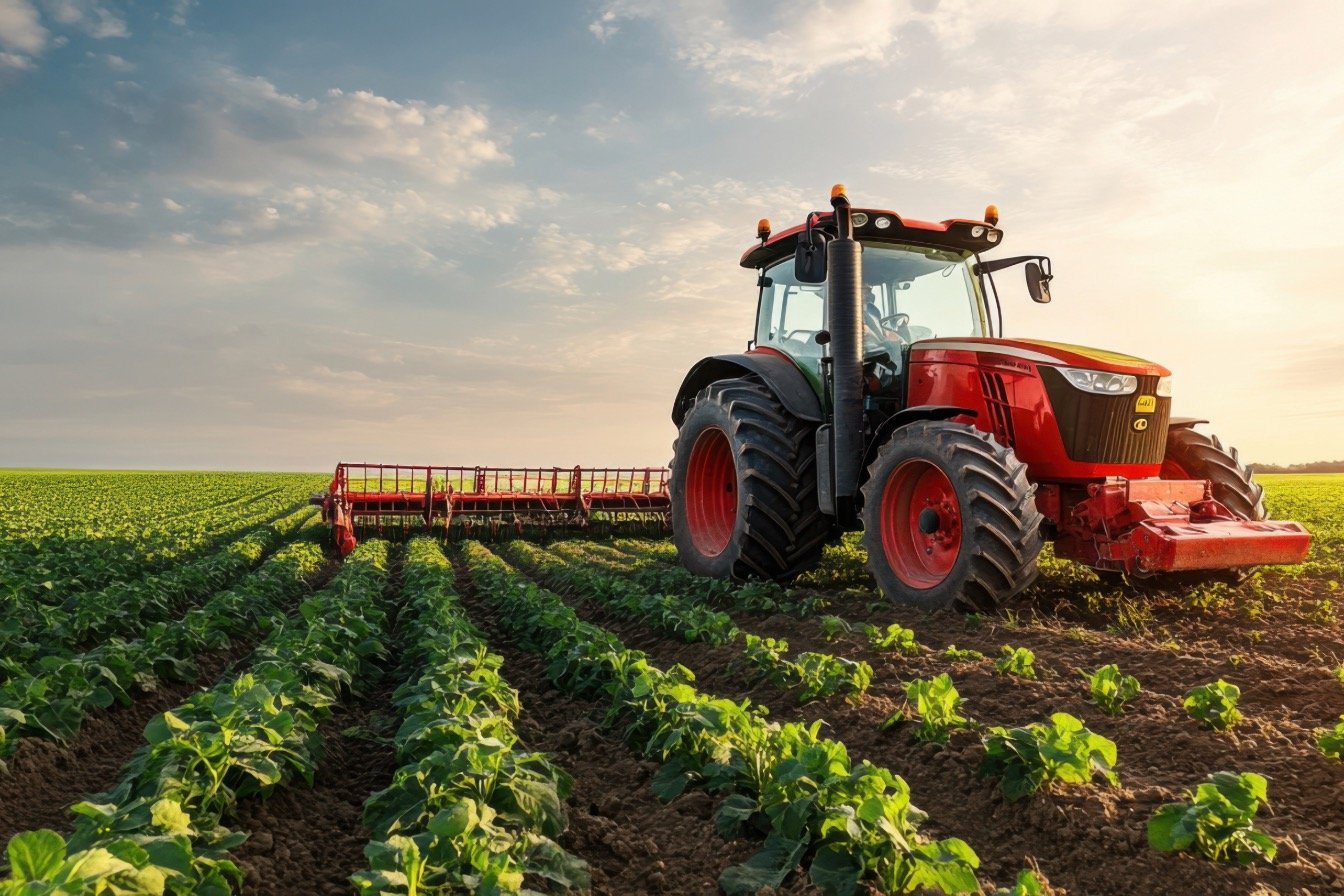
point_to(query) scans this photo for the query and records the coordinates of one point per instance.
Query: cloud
(22, 37)
(765, 56)
(94, 19)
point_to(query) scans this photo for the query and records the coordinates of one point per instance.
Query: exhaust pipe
(844, 303)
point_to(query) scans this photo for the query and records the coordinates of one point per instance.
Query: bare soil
(310, 840)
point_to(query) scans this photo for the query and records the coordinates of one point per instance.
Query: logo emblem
(1140, 424)
(1146, 404)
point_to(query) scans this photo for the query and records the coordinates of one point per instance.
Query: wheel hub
(920, 523)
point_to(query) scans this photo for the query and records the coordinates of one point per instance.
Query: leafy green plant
(1330, 741)
(1217, 821)
(1027, 759)
(818, 675)
(1110, 689)
(894, 637)
(1016, 661)
(936, 704)
(1215, 705)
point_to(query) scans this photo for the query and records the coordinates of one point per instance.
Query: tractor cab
(909, 292)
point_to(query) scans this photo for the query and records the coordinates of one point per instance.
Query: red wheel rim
(921, 523)
(1173, 470)
(711, 492)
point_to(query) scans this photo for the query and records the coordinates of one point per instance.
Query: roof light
(838, 192)
(881, 222)
(978, 231)
(763, 229)
(992, 236)
(860, 219)
(991, 214)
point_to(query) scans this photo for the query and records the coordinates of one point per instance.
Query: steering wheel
(898, 321)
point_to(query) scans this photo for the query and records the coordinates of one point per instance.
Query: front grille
(1000, 411)
(1099, 429)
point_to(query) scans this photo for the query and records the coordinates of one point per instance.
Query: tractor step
(1145, 526)
(387, 500)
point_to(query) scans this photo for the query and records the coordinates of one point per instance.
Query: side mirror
(1038, 283)
(809, 259)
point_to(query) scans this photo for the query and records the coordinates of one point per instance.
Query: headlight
(1101, 382)
(1164, 387)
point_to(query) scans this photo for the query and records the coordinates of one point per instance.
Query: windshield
(909, 293)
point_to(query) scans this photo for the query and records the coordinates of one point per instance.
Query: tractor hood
(1035, 351)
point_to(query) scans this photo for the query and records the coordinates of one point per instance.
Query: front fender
(909, 415)
(780, 374)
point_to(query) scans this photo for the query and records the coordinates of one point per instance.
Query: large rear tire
(744, 486)
(949, 518)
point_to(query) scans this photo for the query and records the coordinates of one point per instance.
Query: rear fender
(1184, 422)
(776, 370)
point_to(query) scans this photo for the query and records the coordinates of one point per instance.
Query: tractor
(880, 394)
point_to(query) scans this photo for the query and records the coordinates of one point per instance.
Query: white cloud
(89, 16)
(180, 8)
(22, 37)
(20, 28)
(769, 54)
(171, 206)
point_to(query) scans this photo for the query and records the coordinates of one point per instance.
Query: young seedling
(959, 655)
(894, 637)
(1217, 822)
(1027, 759)
(833, 627)
(936, 704)
(1016, 661)
(1215, 705)
(1027, 884)
(1330, 741)
(1111, 690)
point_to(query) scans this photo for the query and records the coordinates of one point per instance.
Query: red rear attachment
(1145, 526)
(475, 502)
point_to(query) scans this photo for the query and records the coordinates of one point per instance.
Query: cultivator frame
(491, 502)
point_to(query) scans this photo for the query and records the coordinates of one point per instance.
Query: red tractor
(880, 394)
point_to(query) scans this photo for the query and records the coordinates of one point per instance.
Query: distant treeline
(1318, 466)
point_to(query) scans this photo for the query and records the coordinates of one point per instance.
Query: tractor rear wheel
(744, 486)
(949, 517)
(1193, 455)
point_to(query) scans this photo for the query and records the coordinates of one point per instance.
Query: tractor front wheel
(949, 517)
(1193, 455)
(744, 486)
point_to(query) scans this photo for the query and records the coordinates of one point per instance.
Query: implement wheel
(949, 518)
(744, 486)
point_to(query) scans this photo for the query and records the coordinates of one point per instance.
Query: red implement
(1147, 526)
(391, 499)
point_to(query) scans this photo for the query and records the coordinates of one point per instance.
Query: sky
(280, 235)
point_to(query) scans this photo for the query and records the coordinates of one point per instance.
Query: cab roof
(955, 233)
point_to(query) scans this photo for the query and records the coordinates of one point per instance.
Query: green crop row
(814, 675)
(128, 608)
(160, 830)
(54, 698)
(468, 810)
(845, 822)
